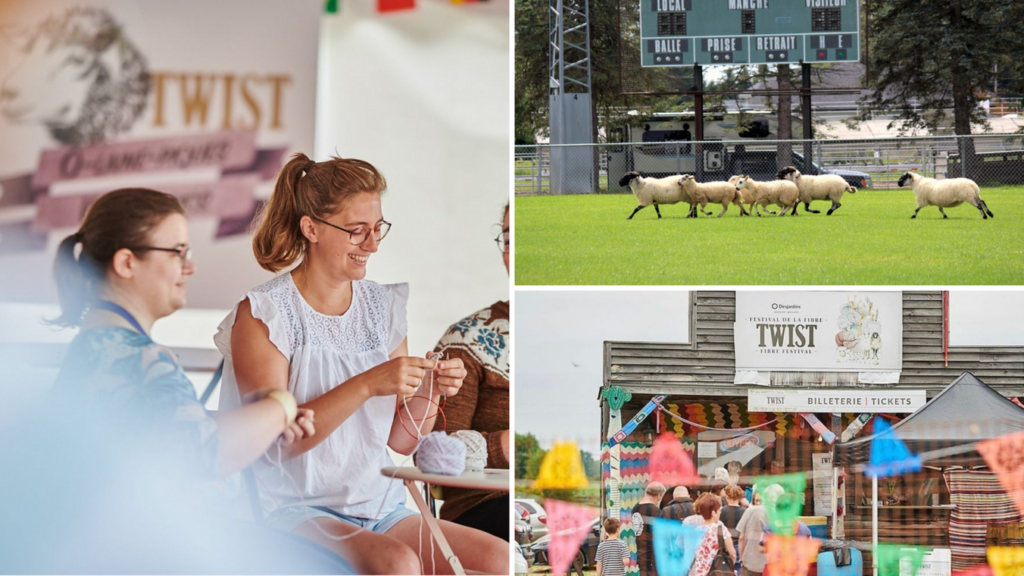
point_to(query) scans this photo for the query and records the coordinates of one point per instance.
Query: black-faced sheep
(79, 76)
(823, 187)
(782, 193)
(648, 191)
(945, 193)
(722, 193)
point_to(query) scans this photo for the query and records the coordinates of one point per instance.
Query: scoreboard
(710, 32)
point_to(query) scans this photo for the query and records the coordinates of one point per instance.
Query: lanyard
(120, 311)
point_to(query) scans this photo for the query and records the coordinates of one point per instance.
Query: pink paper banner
(230, 149)
(569, 524)
(229, 197)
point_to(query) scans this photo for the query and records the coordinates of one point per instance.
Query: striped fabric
(980, 500)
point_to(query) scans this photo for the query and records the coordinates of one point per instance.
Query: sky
(559, 338)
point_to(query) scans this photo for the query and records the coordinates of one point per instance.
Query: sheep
(657, 191)
(79, 76)
(945, 193)
(743, 195)
(824, 187)
(722, 193)
(782, 193)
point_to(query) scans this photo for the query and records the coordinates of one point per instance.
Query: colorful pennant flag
(1005, 456)
(569, 525)
(855, 427)
(783, 499)
(670, 463)
(331, 6)
(819, 427)
(899, 560)
(790, 555)
(561, 469)
(395, 5)
(889, 454)
(1006, 560)
(675, 545)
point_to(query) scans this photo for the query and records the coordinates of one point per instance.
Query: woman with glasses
(125, 403)
(338, 343)
(481, 342)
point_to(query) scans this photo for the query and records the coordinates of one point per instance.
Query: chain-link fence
(991, 160)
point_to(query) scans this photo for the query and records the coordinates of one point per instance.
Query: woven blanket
(980, 501)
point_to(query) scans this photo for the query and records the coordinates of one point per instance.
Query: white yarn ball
(476, 449)
(440, 453)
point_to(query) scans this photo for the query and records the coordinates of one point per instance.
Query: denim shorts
(291, 517)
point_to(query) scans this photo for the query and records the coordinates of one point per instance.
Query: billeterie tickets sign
(819, 331)
(836, 400)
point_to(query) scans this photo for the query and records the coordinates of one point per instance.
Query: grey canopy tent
(966, 411)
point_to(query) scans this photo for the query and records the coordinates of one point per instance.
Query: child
(612, 553)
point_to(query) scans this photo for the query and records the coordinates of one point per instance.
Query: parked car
(586, 554)
(521, 566)
(538, 518)
(762, 165)
(524, 535)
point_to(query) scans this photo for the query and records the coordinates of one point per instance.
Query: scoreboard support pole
(805, 103)
(698, 120)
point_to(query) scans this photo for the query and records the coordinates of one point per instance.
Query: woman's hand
(449, 376)
(401, 376)
(301, 428)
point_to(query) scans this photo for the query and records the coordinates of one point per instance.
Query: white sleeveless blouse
(324, 352)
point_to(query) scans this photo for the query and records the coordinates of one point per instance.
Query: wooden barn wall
(707, 364)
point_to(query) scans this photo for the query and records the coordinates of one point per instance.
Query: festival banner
(105, 94)
(820, 332)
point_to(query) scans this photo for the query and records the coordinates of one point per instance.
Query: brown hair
(707, 504)
(307, 188)
(119, 219)
(734, 492)
(611, 525)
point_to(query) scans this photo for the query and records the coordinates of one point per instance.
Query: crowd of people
(735, 523)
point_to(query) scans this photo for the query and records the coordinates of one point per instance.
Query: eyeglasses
(183, 252)
(502, 241)
(357, 237)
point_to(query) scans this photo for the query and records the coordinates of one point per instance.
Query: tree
(526, 449)
(940, 55)
(591, 466)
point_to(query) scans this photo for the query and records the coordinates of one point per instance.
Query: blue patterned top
(124, 375)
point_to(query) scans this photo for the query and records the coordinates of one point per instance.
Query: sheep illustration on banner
(569, 525)
(790, 555)
(675, 545)
(900, 560)
(1006, 560)
(889, 454)
(670, 463)
(783, 498)
(561, 469)
(1005, 455)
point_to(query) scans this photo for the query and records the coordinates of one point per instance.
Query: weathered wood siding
(707, 364)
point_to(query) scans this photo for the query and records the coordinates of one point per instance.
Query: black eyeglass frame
(351, 234)
(183, 252)
(503, 244)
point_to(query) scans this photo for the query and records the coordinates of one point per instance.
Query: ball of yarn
(440, 453)
(476, 449)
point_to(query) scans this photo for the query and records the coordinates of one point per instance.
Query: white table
(488, 479)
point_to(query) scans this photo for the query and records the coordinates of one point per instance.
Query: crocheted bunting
(569, 524)
(899, 560)
(675, 545)
(982, 570)
(670, 464)
(1005, 456)
(783, 498)
(561, 469)
(889, 454)
(790, 555)
(1006, 560)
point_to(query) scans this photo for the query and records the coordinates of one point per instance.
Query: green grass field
(871, 240)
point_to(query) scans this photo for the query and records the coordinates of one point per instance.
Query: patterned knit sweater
(481, 340)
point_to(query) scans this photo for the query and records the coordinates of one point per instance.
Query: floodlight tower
(569, 97)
